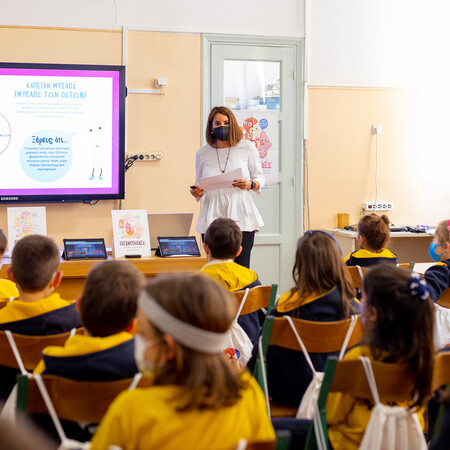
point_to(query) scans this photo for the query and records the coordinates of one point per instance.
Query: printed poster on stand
(23, 221)
(130, 233)
(261, 129)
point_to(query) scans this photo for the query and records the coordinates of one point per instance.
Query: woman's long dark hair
(404, 326)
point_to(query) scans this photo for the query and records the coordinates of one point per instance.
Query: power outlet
(155, 156)
(382, 206)
(376, 129)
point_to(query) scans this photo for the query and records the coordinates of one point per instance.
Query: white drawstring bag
(442, 326)
(390, 427)
(308, 404)
(239, 348)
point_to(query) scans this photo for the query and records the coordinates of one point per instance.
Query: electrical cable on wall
(376, 171)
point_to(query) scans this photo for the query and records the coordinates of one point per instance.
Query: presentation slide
(59, 132)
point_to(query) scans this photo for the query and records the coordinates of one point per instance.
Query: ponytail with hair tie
(418, 287)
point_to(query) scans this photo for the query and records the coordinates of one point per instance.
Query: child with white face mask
(8, 289)
(438, 276)
(198, 399)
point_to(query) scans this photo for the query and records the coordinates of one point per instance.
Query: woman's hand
(196, 191)
(245, 185)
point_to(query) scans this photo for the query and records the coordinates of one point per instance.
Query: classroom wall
(377, 63)
(366, 63)
(341, 152)
(259, 17)
(169, 123)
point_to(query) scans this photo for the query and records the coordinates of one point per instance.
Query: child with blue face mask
(438, 276)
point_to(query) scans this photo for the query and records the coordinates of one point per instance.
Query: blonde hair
(209, 381)
(441, 234)
(375, 230)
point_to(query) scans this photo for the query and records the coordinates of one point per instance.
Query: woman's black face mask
(221, 133)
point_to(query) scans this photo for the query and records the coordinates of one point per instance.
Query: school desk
(75, 272)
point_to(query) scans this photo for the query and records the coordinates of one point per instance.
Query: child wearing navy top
(438, 276)
(323, 292)
(372, 238)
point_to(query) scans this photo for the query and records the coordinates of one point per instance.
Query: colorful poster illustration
(131, 234)
(261, 129)
(25, 221)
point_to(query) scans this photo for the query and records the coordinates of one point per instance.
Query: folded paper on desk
(220, 181)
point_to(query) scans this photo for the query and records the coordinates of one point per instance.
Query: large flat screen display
(62, 132)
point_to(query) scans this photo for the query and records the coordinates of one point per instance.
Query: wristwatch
(253, 186)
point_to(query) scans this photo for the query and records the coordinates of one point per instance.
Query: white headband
(192, 337)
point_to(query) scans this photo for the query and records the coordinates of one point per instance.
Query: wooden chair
(355, 275)
(441, 370)
(258, 297)
(393, 382)
(79, 401)
(30, 348)
(4, 302)
(318, 337)
(444, 300)
(356, 271)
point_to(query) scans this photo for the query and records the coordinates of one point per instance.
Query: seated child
(8, 289)
(198, 399)
(105, 352)
(38, 310)
(373, 236)
(438, 276)
(323, 292)
(222, 244)
(397, 315)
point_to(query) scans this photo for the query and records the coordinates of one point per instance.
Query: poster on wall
(25, 221)
(130, 231)
(261, 129)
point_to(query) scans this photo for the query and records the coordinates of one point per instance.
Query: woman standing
(226, 151)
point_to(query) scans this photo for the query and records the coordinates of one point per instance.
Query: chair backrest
(393, 382)
(444, 299)
(318, 337)
(355, 275)
(258, 297)
(4, 302)
(80, 401)
(441, 370)
(30, 348)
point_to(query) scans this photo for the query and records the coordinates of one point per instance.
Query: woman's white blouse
(235, 203)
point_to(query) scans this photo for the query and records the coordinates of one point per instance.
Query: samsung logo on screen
(9, 198)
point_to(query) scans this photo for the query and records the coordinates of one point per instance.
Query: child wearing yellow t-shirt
(222, 244)
(397, 314)
(38, 310)
(105, 352)
(197, 400)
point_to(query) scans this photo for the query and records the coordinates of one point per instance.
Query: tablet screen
(178, 246)
(84, 249)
